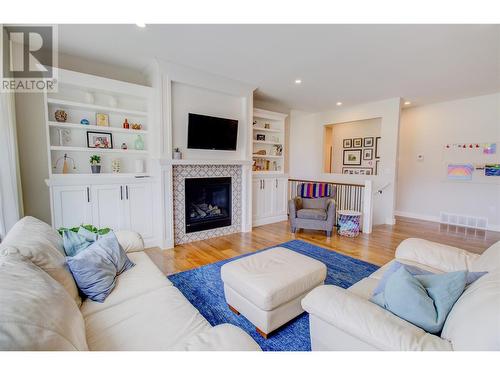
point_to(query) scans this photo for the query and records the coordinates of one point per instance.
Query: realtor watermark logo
(29, 58)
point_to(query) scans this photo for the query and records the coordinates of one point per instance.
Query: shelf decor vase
(139, 143)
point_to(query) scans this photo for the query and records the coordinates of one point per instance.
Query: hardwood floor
(377, 247)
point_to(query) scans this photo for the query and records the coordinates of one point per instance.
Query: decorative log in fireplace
(208, 203)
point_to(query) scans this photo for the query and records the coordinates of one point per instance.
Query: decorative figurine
(61, 115)
(136, 126)
(84, 121)
(124, 146)
(126, 125)
(139, 143)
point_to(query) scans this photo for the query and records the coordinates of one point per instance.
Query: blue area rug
(204, 289)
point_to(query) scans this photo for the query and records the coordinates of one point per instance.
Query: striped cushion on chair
(314, 190)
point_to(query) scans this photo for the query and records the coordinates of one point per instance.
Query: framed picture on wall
(357, 142)
(368, 142)
(352, 157)
(368, 154)
(377, 147)
(347, 143)
(357, 171)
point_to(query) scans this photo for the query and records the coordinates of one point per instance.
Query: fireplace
(207, 203)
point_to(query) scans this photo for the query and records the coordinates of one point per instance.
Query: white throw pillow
(489, 260)
(36, 312)
(129, 241)
(474, 321)
(42, 245)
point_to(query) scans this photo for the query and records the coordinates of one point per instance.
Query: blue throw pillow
(88, 235)
(393, 268)
(96, 268)
(423, 300)
(73, 243)
(471, 276)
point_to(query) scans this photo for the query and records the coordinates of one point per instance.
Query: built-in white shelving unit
(268, 142)
(83, 96)
(119, 200)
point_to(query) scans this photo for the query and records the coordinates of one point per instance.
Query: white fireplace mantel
(166, 162)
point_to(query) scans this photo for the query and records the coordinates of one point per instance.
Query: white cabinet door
(72, 206)
(257, 198)
(107, 206)
(139, 208)
(280, 196)
(268, 197)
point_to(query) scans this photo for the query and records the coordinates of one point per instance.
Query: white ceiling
(348, 63)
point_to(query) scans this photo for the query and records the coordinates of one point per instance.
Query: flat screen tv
(212, 133)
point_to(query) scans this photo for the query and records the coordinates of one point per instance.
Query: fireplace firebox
(208, 203)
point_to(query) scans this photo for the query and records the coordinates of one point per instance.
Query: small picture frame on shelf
(347, 143)
(368, 142)
(357, 142)
(99, 140)
(368, 154)
(352, 157)
(261, 137)
(102, 119)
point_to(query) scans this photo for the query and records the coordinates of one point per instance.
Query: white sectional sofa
(345, 319)
(40, 308)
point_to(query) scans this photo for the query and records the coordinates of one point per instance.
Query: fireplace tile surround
(180, 173)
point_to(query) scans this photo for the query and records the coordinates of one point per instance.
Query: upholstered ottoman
(267, 287)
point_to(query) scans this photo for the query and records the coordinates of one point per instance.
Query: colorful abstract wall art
(492, 170)
(461, 172)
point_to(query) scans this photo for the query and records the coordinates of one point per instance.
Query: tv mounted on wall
(212, 133)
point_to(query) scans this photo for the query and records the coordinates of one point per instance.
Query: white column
(368, 207)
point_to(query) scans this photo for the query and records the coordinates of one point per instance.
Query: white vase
(113, 102)
(139, 166)
(89, 98)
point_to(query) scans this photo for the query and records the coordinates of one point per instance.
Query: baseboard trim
(269, 220)
(435, 219)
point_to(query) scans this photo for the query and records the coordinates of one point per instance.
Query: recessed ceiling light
(338, 104)
(141, 25)
(407, 102)
(298, 81)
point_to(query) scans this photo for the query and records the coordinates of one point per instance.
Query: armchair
(312, 213)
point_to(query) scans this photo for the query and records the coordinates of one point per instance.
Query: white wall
(306, 149)
(423, 190)
(349, 130)
(190, 99)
